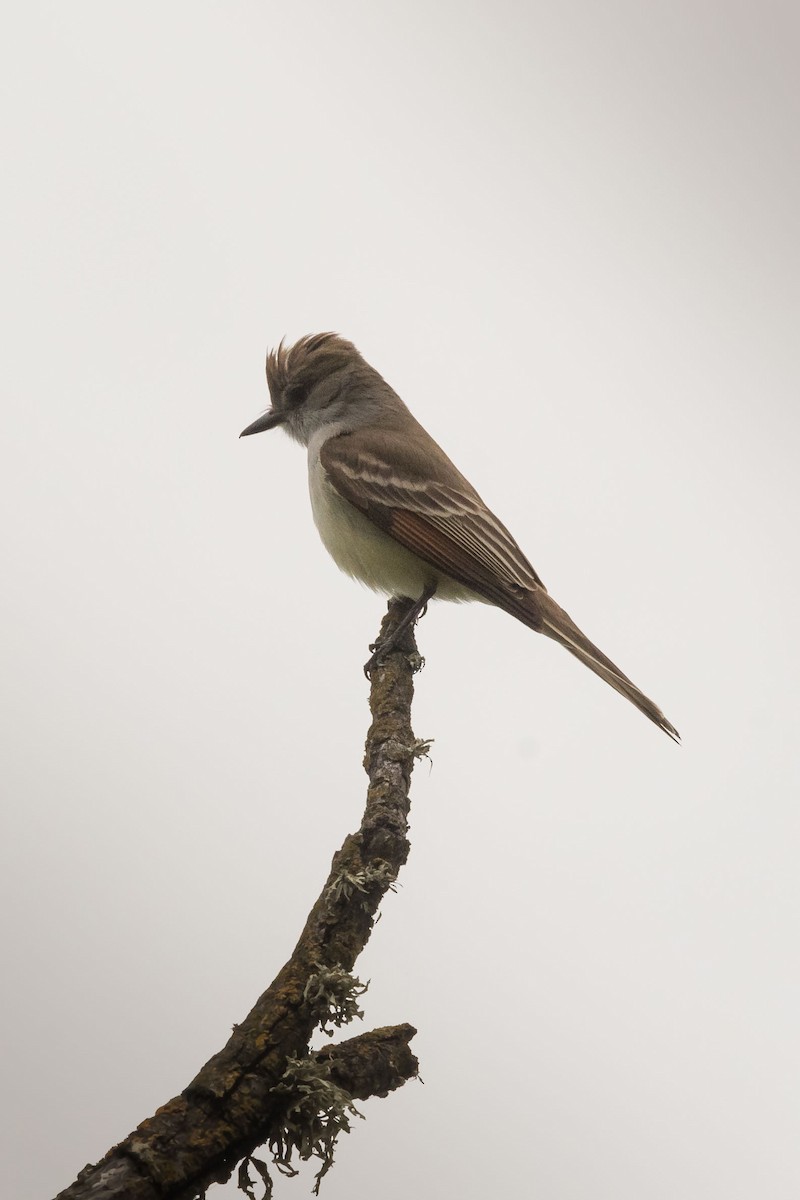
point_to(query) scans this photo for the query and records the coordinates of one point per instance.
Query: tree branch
(371, 1064)
(231, 1107)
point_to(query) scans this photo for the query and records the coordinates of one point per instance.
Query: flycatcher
(395, 513)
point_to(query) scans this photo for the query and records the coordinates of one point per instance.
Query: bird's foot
(381, 649)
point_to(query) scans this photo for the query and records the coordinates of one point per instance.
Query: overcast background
(567, 234)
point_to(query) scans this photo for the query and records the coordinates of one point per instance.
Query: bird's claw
(373, 660)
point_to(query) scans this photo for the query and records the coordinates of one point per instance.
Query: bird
(396, 514)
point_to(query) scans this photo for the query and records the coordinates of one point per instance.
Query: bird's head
(312, 384)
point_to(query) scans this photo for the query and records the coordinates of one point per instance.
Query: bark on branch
(232, 1105)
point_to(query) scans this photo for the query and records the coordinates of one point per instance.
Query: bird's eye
(295, 394)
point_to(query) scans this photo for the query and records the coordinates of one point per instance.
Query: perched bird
(395, 513)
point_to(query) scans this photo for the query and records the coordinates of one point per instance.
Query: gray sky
(567, 234)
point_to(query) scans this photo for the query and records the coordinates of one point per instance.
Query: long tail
(553, 621)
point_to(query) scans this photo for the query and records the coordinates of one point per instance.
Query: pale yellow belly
(365, 552)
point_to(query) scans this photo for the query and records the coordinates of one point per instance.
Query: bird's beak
(267, 420)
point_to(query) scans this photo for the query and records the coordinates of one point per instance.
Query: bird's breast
(362, 550)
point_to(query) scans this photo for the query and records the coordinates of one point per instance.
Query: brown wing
(444, 522)
(447, 524)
